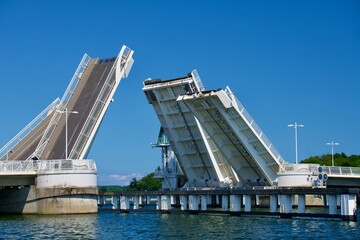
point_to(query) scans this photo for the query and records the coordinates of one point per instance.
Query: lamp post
(66, 129)
(332, 144)
(295, 126)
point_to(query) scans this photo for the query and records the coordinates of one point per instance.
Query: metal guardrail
(341, 170)
(315, 168)
(197, 80)
(253, 125)
(101, 103)
(28, 129)
(61, 106)
(46, 165)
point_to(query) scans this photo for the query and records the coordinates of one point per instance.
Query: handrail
(120, 70)
(62, 106)
(316, 169)
(197, 80)
(46, 165)
(253, 126)
(341, 170)
(29, 128)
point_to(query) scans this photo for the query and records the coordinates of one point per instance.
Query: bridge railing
(17, 166)
(315, 168)
(46, 165)
(341, 170)
(4, 151)
(253, 125)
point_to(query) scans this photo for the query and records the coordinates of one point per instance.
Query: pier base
(165, 203)
(247, 203)
(203, 202)
(332, 203)
(124, 203)
(273, 203)
(193, 203)
(235, 203)
(183, 202)
(301, 203)
(136, 202)
(285, 206)
(225, 202)
(348, 207)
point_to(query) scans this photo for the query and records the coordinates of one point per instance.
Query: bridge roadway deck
(244, 191)
(82, 101)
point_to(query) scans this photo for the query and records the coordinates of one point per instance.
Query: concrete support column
(165, 202)
(147, 200)
(183, 202)
(173, 199)
(158, 202)
(301, 203)
(217, 200)
(348, 207)
(225, 202)
(112, 202)
(285, 204)
(257, 200)
(273, 203)
(332, 203)
(235, 203)
(247, 203)
(209, 199)
(204, 202)
(116, 202)
(193, 203)
(140, 200)
(136, 202)
(124, 203)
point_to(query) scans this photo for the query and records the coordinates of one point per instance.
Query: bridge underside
(190, 144)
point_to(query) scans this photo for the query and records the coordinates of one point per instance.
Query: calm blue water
(115, 225)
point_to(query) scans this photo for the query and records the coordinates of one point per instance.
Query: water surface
(115, 225)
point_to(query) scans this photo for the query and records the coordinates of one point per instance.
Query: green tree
(340, 159)
(148, 183)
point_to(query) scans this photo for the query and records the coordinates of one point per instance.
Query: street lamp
(332, 144)
(296, 147)
(66, 128)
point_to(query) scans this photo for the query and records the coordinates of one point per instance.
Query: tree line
(340, 159)
(148, 183)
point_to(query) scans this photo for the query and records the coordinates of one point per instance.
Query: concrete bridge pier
(165, 203)
(193, 203)
(124, 204)
(204, 199)
(136, 202)
(235, 203)
(158, 202)
(273, 203)
(225, 202)
(247, 203)
(301, 203)
(348, 207)
(184, 202)
(332, 203)
(115, 202)
(285, 205)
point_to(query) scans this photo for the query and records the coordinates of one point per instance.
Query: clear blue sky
(286, 61)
